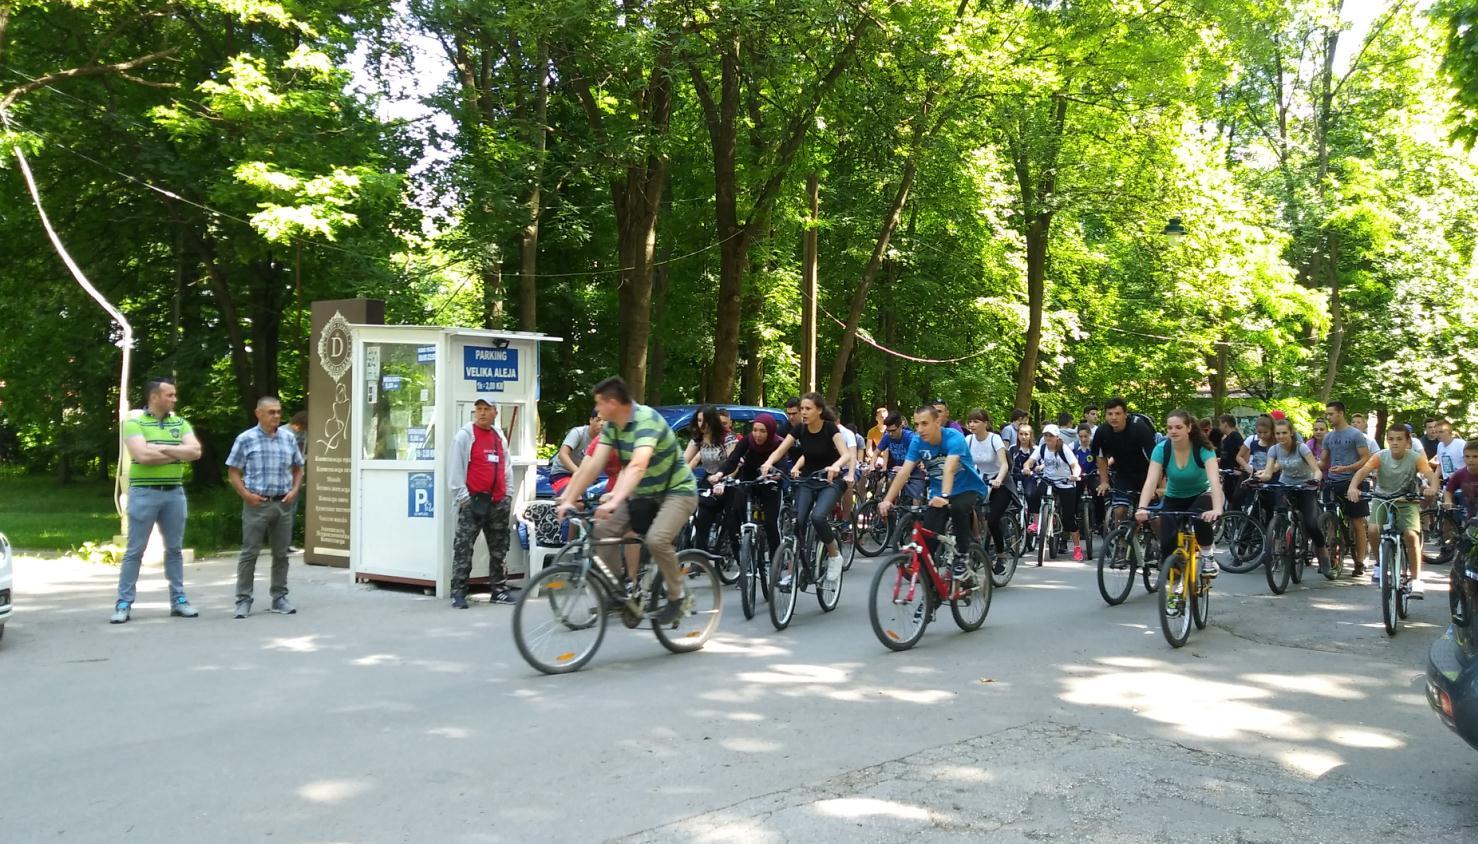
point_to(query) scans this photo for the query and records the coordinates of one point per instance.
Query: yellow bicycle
(1185, 595)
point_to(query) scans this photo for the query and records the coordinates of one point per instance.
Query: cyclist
(1090, 418)
(875, 433)
(954, 487)
(1461, 488)
(1449, 449)
(1252, 458)
(1192, 483)
(1088, 464)
(1395, 469)
(1429, 439)
(989, 457)
(1345, 450)
(1316, 442)
(746, 459)
(655, 495)
(1058, 466)
(821, 446)
(1008, 433)
(1026, 484)
(1361, 423)
(893, 453)
(1295, 464)
(1226, 454)
(1126, 439)
(708, 451)
(944, 420)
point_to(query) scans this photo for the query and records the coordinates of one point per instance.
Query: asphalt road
(383, 716)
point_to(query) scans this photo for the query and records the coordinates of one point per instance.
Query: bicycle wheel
(1244, 540)
(1280, 555)
(746, 575)
(1116, 566)
(1300, 546)
(761, 557)
(1085, 524)
(971, 608)
(849, 549)
(703, 593)
(1149, 562)
(559, 619)
(869, 529)
(783, 598)
(1001, 574)
(1043, 537)
(1387, 563)
(1334, 535)
(1054, 532)
(899, 609)
(1403, 594)
(728, 562)
(1201, 605)
(1016, 539)
(1174, 603)
(828, 594)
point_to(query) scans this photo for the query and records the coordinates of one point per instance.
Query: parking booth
(416, 388)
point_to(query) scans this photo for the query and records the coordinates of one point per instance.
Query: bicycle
(1244, 533)
(902, 609)
(724, 548)
(1462, 578)
(1395, 590)
(1130, 545)
(754, 568)
(1444, 526)
(1049, 525)
(1013, 528)
(1088, 524)
(1288, 539)
(559, 620)
(802, 561)
(1185, 595)
(1338, 537)
(872, 534)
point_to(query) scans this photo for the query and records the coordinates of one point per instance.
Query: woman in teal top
(1192, 482)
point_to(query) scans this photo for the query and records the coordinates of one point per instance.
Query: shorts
(1408, 514)
(1352, 509)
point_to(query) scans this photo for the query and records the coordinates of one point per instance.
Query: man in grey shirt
(572, 451)
(1345, 450)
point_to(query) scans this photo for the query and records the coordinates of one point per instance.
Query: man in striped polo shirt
(159, 445)
(655, 494)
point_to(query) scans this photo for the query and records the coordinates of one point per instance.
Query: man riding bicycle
(1127, 439)
(954, 486)
(1395, 469)
(655, 495)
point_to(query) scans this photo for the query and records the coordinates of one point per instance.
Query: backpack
(1142, 419)
(1165, 457)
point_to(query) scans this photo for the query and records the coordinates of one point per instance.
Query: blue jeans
(147, 507)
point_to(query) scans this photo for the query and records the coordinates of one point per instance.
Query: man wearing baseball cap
(481, 480)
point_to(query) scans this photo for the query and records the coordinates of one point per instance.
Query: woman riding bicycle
(1193, 483)
(822, 448)
(988, 454)
(709, 450)
(747, 459)
(1059, 468)
(1296, 464)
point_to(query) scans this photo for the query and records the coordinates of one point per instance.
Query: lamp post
(1174, 230)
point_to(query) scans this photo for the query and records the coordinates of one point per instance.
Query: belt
(270, 497)
(156, 486)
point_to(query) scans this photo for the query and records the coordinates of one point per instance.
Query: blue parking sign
(420, 495)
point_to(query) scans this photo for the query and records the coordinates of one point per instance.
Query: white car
(5, 580)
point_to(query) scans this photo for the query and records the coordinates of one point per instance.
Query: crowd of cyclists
(814, 478)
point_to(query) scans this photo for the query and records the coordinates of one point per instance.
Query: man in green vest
(159, 445)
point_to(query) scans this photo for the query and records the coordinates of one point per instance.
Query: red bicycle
(909, 587)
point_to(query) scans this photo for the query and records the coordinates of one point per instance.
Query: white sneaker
(1375, 574)
(1418, 589)
(834, 569)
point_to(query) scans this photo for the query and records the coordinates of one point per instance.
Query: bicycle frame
(919, 559)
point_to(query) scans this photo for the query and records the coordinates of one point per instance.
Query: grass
(39, 514)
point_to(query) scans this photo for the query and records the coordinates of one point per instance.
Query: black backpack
(1195, 455)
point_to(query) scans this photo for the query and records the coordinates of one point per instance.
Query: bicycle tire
(1386, 560)
(827, 595)
(1335, 545)
(1010, 539)
(530, 631)
(1245, 541)
(870, 529)
(723, 548)
(1280, 555)
(783, 601)
(849, 553)
(747, 576)
(1300, 551)
(970, 610)
(702, 583)
(762, 564)
(1043, 535)
(1174, 603)
(898, 626)
(1116, 566)
(1201, 604)
(1149, 564)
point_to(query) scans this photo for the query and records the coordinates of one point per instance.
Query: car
(1452, 661)
(6, 579)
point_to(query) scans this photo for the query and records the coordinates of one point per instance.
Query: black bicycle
(1289, 546)
(754, 550)
(1130, 545)
(1013, 531)
(1243, 532)
(1395, 567)
(800, 566)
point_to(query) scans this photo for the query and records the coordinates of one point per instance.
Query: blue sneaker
(120, 613)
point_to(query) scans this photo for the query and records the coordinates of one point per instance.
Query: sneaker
(1209, 567)
(673, 611)
(999, 567)
(1077, 553)
(283, 606)
(459, 601)
(183, 609)
(1322, 555)
(243, 608)
(833, 570)
(918, 614)
(784, 582)
(1032, 528)
(961, 572)
(1418, 590)
(1358, 571)
(120, 613)
(502, 596)
(1375, 574)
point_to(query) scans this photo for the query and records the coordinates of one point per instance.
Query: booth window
(399, 401)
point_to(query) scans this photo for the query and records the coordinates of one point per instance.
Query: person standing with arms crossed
(159, 445)
(267, 472)
(481, 482)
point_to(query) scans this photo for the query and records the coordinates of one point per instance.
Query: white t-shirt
(1056, 468)
(985, 454)
(578, 439)
(1450, 457)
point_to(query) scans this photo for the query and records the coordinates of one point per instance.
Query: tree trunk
(657, 354)
(1036, 288)
(1218, 364)
(1336, 323)
(638, 209)
(492, 294)
(752, 382)
(810, 270)
(529, 246)
(266, 324)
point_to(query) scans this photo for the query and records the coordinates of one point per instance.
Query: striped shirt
(266, 462)
(171, 431)
(667, 473)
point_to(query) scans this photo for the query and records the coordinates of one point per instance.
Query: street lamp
(1174, 230)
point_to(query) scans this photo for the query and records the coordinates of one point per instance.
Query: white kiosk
(417, 385)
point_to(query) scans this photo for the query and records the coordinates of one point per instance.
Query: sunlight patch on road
(739, 744)
(1323, 685)
(332, 791)
(917, 695)
(1203, 708)
(744, 647)
(1314, 763)
(1352, 737)
(795, 674)
(376, 659)
(296, 644)
(450, 732)
(868, 807)
(961, 773)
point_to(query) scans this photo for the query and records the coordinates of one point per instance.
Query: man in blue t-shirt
(893, 453)
(954, 485)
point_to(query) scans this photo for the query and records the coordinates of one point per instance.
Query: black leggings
(1168, 527)
(1306, 504)
(1000, 499)
(710, 509)
(961, 507)
(1067, 504)
(816, 505)
(768, 497)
